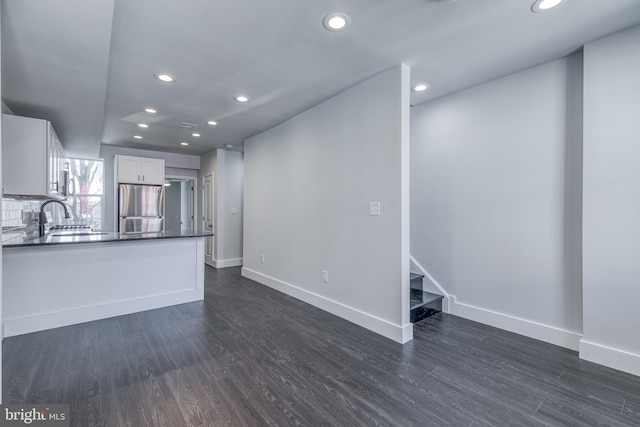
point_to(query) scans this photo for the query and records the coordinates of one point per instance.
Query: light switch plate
(234, 210)
(374, 208)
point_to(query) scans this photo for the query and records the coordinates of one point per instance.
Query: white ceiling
(88, 65)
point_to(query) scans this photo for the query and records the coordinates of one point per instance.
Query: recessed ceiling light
(150, 110)
(241, 98)
(164, 77)
(336, 21)
(212, 123)
(137, 136)
(167, 184)
(143, 125)
(420, 87)
(184, 143)
(229, 146)
(197, 135)
(542, 5)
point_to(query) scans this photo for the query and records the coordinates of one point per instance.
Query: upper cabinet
(32, 158)
(139, 170)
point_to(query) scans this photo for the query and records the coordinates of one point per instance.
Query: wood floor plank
(251, 356)
(396, 407)
(575, 414)
(632, 410)
(553, 389)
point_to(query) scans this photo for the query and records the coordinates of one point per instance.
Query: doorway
(178, 204)
(208, 218)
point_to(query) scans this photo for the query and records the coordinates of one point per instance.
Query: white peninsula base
(47, 287)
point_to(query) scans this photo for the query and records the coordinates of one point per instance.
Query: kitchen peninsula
(60, 280)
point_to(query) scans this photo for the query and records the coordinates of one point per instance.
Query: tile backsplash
(19, 217)
(11, 213)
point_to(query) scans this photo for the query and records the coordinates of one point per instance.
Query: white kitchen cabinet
(139, 170)
(152, 170)
(127, 169)
(56, 163)
(32, 158)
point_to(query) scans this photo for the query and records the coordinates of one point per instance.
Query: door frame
(194, 183)
(194, 193)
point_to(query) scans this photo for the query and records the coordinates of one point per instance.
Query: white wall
(612, 201)
(230, 186)
(308, 185)
(172, 160)
(496, 200)
(228, 174)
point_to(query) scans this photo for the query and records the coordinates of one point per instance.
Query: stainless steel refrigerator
(140, 208)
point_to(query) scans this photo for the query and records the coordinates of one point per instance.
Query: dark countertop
(65, 238)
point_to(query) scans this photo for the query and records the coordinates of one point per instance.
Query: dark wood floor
(250, 356)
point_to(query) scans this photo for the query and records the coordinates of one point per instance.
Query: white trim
(57, 319)
(191, 174)
(398, 333)
(223, 263)
(405, 195)
(529, 328)
(609, 356)
(446, 300)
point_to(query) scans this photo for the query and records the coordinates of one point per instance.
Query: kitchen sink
(78, 233)
(142, 232)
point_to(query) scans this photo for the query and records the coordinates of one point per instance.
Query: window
(87, 186)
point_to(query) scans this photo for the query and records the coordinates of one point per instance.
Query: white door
(207, 204)
(186, 206)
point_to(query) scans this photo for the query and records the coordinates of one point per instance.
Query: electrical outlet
(374, 208)
(325, 276)
(234, 211)
(262, 258)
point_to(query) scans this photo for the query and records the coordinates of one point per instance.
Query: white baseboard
(398, 333)
(57, 319)
(611, 357)
(528, 328)
(222, 263)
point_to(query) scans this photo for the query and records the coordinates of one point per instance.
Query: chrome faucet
(42, 217)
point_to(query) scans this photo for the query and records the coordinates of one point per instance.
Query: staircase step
(415, 276)
(420, 298)
(424, 304)
(416, 280)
